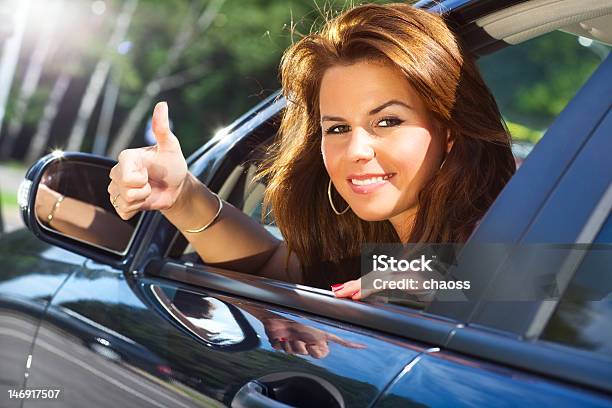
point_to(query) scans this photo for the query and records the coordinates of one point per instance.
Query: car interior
(589, 18)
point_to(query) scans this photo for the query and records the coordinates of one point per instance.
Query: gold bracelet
(54, 209)
(194, 231)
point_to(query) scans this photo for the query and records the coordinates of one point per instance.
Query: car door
(173, 338)
(32, 271)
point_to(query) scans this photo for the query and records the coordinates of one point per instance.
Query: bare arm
(234, 241)
(81, 220)
(156, 178)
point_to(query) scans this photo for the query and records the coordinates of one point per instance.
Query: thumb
(160, 124)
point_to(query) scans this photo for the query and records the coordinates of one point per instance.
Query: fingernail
(354, 293)
(337, 286)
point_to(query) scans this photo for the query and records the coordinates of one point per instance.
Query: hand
(149, 178)
(351, 289)
(356, 290)
(296, 338)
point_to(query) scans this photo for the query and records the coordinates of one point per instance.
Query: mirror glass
(72, 200)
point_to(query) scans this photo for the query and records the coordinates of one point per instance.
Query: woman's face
(378, 141)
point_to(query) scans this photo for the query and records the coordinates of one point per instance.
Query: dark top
(327, 273)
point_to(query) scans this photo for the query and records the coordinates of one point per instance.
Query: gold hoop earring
(332, 203)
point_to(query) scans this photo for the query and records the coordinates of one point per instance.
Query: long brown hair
(443, 75)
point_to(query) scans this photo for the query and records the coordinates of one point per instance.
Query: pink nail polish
(354, 293)
(337, 286)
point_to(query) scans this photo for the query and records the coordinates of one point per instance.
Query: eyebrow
(372, 112)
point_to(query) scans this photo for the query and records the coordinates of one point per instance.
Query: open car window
(522, 78)
(240, 189)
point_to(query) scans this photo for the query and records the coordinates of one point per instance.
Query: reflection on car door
(111, 341)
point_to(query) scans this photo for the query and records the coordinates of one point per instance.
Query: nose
(360, 145)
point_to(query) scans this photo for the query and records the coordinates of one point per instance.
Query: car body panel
(441, 379)
(122, 317)
(32, 271)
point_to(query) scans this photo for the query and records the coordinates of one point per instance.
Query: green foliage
(238, 56)
(534, 81)
(523, 133)
(232, 65)
(8, 199)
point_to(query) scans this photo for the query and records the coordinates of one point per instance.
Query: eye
(389, 122)
(337, 129)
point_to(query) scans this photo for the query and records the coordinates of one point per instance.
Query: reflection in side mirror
(72, 200)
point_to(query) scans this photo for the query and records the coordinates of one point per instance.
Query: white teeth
(372, 180)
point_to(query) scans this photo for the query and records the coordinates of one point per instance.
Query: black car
(136, 319)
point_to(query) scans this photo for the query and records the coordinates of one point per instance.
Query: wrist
(45, 201)
(185, 190)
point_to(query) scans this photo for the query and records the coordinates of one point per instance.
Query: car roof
(488, 25)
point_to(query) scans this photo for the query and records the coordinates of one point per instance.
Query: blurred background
(84, 75)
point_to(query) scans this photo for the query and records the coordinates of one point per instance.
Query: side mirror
(64, 201)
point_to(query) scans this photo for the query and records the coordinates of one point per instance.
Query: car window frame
(570, 136)
(212, 165)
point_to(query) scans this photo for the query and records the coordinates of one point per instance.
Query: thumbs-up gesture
(149, 178)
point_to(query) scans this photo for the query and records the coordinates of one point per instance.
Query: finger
(317, 350)
(357, 295)
(113, 172)
(349, 289)
(123, 209)
(128, 212)
(127, 215)
(345, 343)
(129, 195)
(130, 209)
(299, 347)
(286, 345)
(131, 170)
(160, 125)
(276, 345)
(365, 292)
(127, 199)
(136, 195)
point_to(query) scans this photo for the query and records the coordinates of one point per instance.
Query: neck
(403, 223)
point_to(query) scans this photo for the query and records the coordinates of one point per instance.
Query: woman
(389, 135)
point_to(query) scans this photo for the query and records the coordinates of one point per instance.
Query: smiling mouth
(371, 180)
